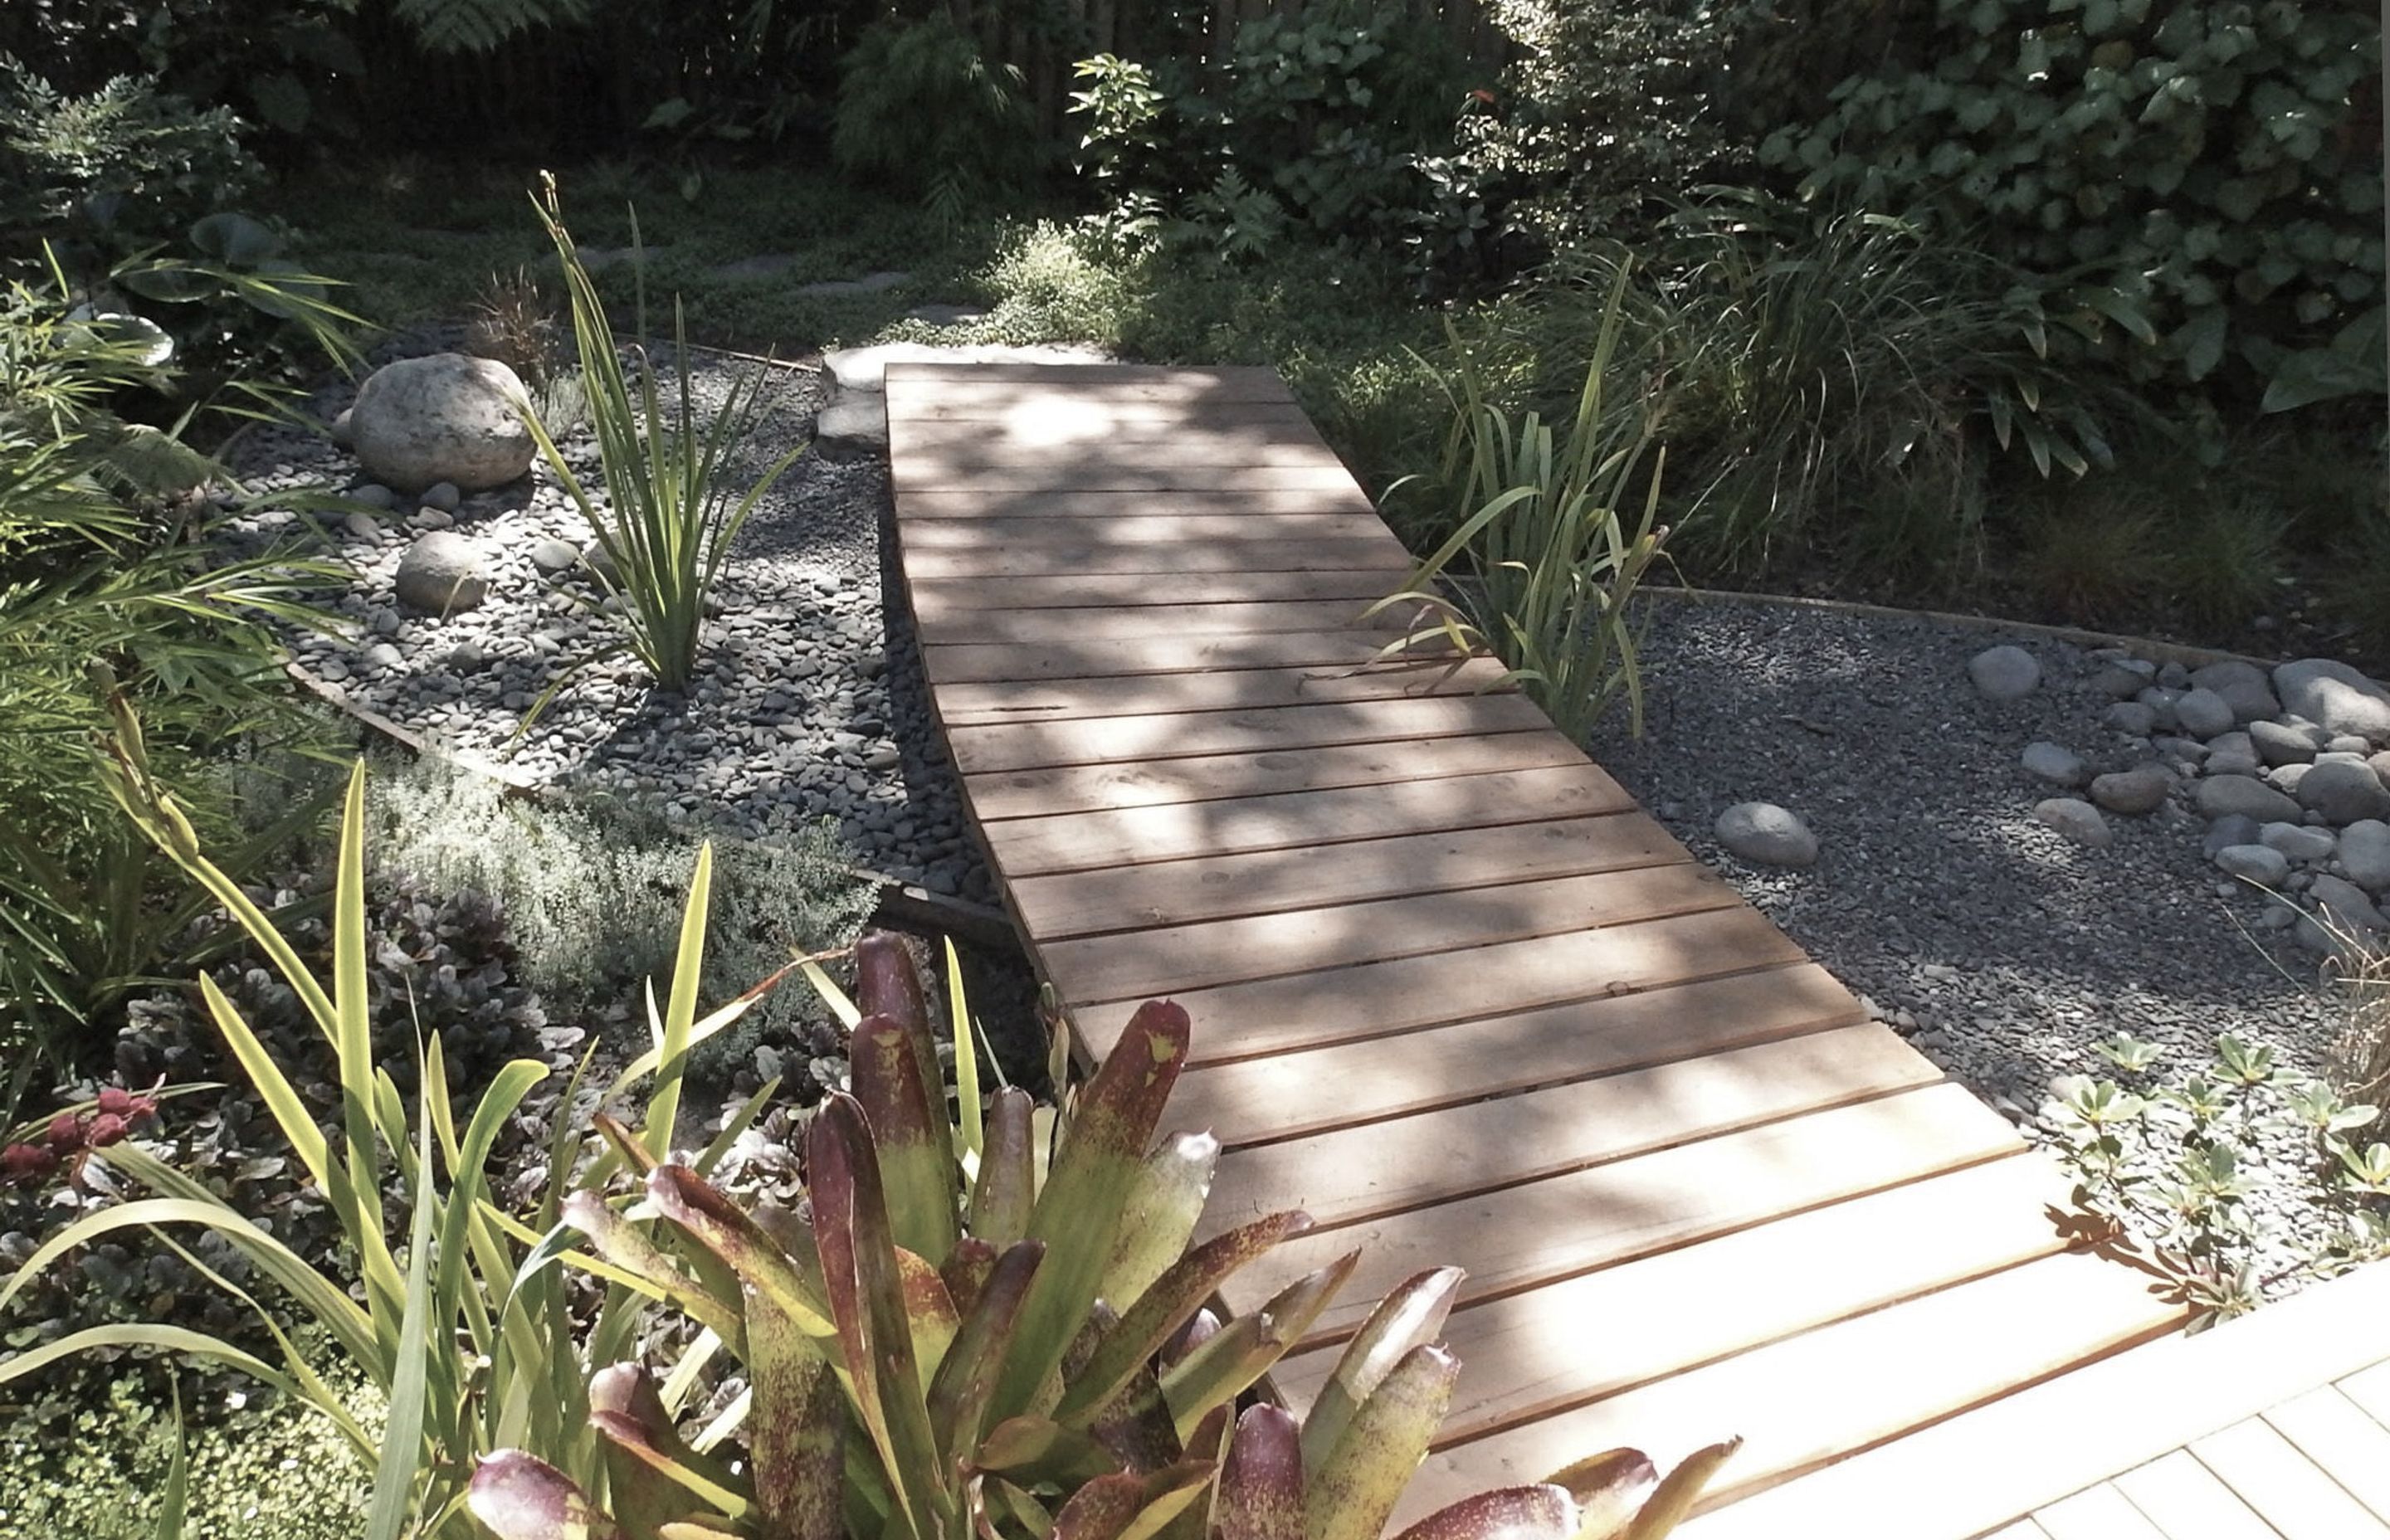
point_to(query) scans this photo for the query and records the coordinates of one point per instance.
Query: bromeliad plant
(997, 1330)
(471, 1345)
(667, 516)
(1550, 559)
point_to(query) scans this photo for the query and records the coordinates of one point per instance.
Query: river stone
(2004, 673)
(2221, 795)
(2203, 713)
(2347, 905)
(445, 418)
(2365, 854)
(2124, 677)
(2131, 718)
(2256, 863)
(854, 426)
(2077, 819)
(2233, 831)
(338, 430)
(2345, 791)
(2335, 697)
(2140, 789)
(2346, 743)
(442, 574)
(1766, 835)
(2054, 763)
(2279, 745)
(2297, 841)
(2244, 687)
(552, 555)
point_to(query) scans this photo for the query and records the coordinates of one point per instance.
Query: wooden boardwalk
(1454, 994)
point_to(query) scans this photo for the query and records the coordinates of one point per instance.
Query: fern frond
(478, 26)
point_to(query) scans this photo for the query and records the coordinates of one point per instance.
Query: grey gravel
(1939, 895)
(808, 704)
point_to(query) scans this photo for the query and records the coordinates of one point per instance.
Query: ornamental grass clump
(1552, 544)
(668, 515)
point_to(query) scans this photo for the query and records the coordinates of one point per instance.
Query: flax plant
(1549, 557)
(467, 1331)
(668, 516)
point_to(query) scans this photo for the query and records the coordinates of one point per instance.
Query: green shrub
(591, 895)
(96, 1470)
(1556, 527)
(2206, 165)
(922, 109)
(128, 163)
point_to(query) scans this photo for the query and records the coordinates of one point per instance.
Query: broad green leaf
(731, 1235)
(1353, 1493)
(966, 1379)
(1412, 1314)
(914, 1140)
(1609, 1489)
(1679, 1489)
(1002, 1197)
(1261, 1486)
(402, 1450)
(520, 1496)
(1159, 1217)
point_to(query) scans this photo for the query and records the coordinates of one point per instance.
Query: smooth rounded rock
(2365, 855)
(448, 416)
(2054, 762)
(2203, 713)
(2004, 673)
(2261, 865)
(2347, 905)
(2298, 842)
(442, 574)
(2277, 744)
(552, 556)
(2335, 697)
(2140, 789)
(2077, 819)
(2222, 795)
(2131, 718)
(2235, 829)
(2244, 686)
(2345, 791)
(1767, 835)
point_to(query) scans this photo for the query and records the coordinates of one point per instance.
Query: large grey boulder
(2220, 796)
(2334, 696)
(2004, 673)
(1766, 835)
(442, 574)
(2243, 687)
(2205, 715)
(2345, 791)
(447, 417)
(2365, 855)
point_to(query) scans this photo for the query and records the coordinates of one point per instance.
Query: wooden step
(1234, 689)
(1136, 738)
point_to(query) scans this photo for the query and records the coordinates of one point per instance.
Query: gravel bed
(809, 703)
(1999, 947)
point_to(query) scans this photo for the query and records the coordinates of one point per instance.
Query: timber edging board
(1453, 993)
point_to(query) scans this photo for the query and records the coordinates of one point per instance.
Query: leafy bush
(668, 519)
(2181, 1168)
(592, 896)
(128, 162)
(97, 1471)
(922, 109)
(2207, 162)
(1608, 110)
(108, 585)
(1554, 541)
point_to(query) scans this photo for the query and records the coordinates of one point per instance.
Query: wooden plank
(911, 385)
(991, 407)
(981, 663)
(2335, 1433)
(1164, 561)
(2024, 1529)
(937, 600)
(1220, 887)
(2097, 1513)
(1282, 436)
(1024, 439)
(1068, 508)
(1698, 1304)
(2370, 1388)
(927, 533)
(1538, 1234)
(1375, 1169)
(1203, 958)
(997, 458)
(1281, 1096)
(2283, 1485)
(1168, 624)
(1030, 793)
(2185, 1500)
(1078, 475)
(1378, 999)
(1132, 740)
(1808, 1400)
(1231, 690)
(1953, 1482)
